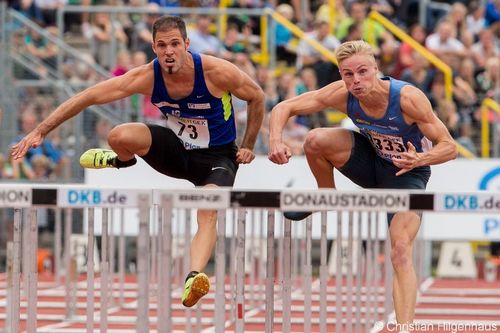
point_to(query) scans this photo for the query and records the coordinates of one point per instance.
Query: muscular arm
(138, 80)
(333, 95)
(417, 108)
(230, 78)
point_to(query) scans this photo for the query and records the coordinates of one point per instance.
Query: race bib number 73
(192, 132)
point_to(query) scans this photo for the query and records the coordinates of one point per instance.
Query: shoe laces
(105, 160)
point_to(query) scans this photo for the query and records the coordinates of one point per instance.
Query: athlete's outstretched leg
(202, 245)
(403, 230)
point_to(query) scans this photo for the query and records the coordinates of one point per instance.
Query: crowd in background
(467, 38)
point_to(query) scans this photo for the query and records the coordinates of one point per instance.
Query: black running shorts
(214, 165)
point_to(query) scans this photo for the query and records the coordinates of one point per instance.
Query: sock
(124, 164)
(190, 275)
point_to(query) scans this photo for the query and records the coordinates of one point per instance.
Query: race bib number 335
(192, 132)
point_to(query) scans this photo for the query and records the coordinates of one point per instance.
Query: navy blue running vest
(200, 120)
(390, 134)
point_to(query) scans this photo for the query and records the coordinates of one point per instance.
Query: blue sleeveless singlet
(388, 135)
(200, 120)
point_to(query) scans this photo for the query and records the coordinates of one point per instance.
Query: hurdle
(286, 299)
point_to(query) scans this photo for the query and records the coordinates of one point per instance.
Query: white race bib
(193, 132)
(387, 146)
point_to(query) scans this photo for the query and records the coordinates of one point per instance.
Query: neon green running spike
(195, 288)
(98, 159)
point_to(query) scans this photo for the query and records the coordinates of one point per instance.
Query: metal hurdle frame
(156, 213)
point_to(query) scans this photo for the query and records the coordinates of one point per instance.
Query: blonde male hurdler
(193, 91)
(399, 138)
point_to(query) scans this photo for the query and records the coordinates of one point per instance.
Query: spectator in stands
(142, 36)
(100, 140)
(232, 42)
(445, 46)
(463, 88)
(248, 24)
(101, 32)
(464, 137)
(354, 32)
(324, 13)
(202, 40)
(80, 73)
(457, 19)
(307, 56)
(123, 63)
(267, 82)
(236, 51)
(41, 168)
(446, 110)
(285, 85)
(29, 9)
(475, 18)
(420, 74)
(405, 58)
(373, 32)
(141, 105)
(492, 13)
(29, 121)
(387, 58)
(49, 10)
(467, 73)
(309, 82)
(300, 9)
(41, 48)
(285, 51)
(489, 80)
(18, 169)
(486, 47)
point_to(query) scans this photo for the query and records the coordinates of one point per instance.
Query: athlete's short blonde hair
(350, 48)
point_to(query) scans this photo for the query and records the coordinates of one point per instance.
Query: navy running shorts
(368, 170)
(214, 165)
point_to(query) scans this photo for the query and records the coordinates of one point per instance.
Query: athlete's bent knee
(313, 144)
(118, 136)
